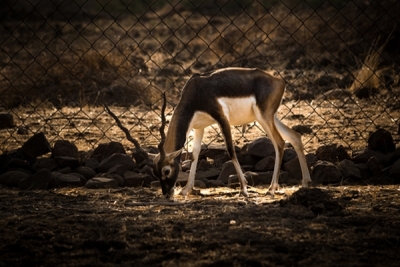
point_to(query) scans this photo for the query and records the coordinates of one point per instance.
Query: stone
(101, 182)
(6, 121)
(212, 173)
(261, 147)
(45, 163)
(65, 170)
(118, 169)
(293, 167)
(381, 140)
(120, 179)
(18, 164)
(92, 163)
(87, 172)
(374, 166)
(65, 161)
(23, 130)
(36, 146)
(105, 150)
(7, 157)
(227, 169)
(302, 129)
(40, 180)
(12, 178)
(349, 169)
(64, 148)
(394, 171)
(186, 164)
(288, 154)
(116, 159)
(326, 172)
(332, 153)
(204, 165)
(68, 180)
(383, 159)
(133, 179)
(266, 164)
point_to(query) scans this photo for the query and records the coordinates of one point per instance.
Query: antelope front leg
(198, 136)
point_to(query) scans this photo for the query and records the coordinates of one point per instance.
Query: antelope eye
(167, 172)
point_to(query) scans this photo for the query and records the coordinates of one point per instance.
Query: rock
(293, 167)
(45, 163)
(120, 179)
(65, 161)
(7, 157)
(40, 180)
(199, 184)
(381, 140)
(374, 166)
(18, 164)
(68, 180)
(106, 150)
(92, 163)
(65, 170)
(137, 179)
(261, 147)
(213, 151)
(64, 148)
(6, 121)
(288, 154)
(349, 169)
(116, 159)
(266, 164)
(227, 169)
(311, 159)
(363, 157)
(209, 174)
(302, 129)
(325, 172)
(186, 164)
(87, 172)
(12, 178)
(332, 153)
(118, 169)
(100, 182)
(36, 146)
(23, 130)
(394, 171)
(204, 165)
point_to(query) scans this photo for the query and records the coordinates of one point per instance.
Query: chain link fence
(61, 60)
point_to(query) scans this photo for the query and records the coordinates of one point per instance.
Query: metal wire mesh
(62, 59)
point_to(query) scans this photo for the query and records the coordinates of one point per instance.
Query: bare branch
(138, 148)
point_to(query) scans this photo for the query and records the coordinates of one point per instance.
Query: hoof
(272, 189)
(185, 191)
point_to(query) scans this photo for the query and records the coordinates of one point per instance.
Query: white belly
(238, 111)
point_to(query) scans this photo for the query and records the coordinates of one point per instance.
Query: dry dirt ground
(324, 226)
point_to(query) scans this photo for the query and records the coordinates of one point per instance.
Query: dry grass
(371, 73)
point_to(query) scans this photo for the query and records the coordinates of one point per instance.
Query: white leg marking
(270, 128)
(242, 179)
(295, 139)
(197, 137)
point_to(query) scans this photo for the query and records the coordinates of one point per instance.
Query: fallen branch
(138, 148)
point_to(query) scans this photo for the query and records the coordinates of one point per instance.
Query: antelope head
(166, 165)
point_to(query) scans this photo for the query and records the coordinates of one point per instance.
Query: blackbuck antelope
(230, 96)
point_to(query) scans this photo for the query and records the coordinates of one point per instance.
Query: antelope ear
(173, 155)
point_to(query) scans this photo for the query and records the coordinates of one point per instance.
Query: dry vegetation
(61, 61)
(54, 73)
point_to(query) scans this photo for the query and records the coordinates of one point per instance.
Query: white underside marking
(239, 111)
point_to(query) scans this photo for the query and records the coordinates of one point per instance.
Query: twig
(127, 134)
